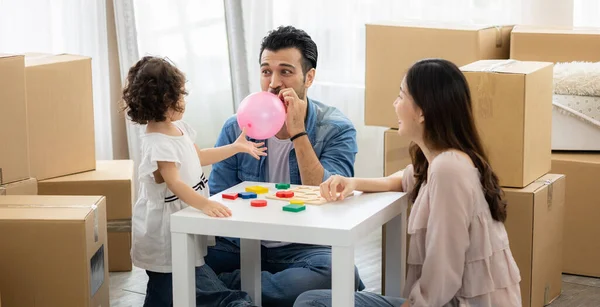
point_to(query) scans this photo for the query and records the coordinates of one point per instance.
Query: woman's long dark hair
(440, 90)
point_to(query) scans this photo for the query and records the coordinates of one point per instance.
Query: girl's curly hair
(153, 87)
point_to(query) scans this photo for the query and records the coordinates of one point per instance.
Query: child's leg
(211, 291)
(159, 291)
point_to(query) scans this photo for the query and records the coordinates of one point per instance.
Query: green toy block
(282, 186)
(294, 208)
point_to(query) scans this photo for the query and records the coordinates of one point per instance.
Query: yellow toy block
(257, 189)
(296, 202)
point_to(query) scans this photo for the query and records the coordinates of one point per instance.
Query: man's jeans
(210, 291)
(287, 271)
(322, 298)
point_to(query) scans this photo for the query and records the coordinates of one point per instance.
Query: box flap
(37, 59)
(592, 158)
(535, 186)
(8, 55)
(556, 30)
(439, 25)
(35, 207)
(105, 171)
(505, 66)
(22, 187)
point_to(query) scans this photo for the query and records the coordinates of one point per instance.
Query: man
(315, 142)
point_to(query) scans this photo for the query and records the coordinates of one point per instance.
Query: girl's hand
(214, 209)
(336, 187)
(254, 149)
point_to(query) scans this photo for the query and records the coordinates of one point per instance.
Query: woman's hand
(336, 187)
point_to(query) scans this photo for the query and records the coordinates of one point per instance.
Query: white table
(338, 224)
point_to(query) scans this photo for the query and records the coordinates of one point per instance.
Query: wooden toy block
(294, 208)
(257, 189)
(258, 203)
(247, 195)
(232, 196)
(310, 195)
(296, 202)
(282, 186)
(284, 194)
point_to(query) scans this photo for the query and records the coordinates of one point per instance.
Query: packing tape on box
(550, 185)
(499, 65)
(2, 191)
(118, 226)
(93, 207)
(498, 36)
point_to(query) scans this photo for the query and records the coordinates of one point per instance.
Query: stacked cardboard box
(391, 48)
(60, 115)
(14, 152)
(114, 180)
(47, 129)
(582, 211)
(512, 106)
(53, 251)
(564, 45)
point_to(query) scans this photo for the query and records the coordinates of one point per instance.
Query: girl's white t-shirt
(151, 242)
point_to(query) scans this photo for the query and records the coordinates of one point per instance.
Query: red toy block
(285, 194)
(258, 203)
(232, 196)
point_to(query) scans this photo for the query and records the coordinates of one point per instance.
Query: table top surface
(362, 210)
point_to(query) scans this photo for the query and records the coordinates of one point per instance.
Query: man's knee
(224, 256)
(314, 298)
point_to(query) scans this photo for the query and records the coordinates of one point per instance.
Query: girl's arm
(170, 174)
(209, 156)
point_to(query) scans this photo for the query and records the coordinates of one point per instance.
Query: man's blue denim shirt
(330, 132)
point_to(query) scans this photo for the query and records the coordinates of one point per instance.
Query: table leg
(342, 276)
(183, 248)
(251, 269)
(395, 254)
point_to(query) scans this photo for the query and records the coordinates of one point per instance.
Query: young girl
(171, 178)
(459, 253)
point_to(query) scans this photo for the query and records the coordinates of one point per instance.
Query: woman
(459, 253)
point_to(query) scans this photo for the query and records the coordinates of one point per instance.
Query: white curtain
(338, 28)
(192, 34)
(586, 13)
(74, 26)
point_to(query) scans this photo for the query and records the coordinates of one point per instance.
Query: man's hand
(296, 111)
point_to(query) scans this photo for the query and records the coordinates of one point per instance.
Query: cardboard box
(119, 246)
(23, 187)
(60, 115)
(53, 251)
(534, 226)
(391, 48)
(512, 106)
(114, 180)
(555, 44)
(582, 212)
(396, 157)
(14, 151)
(396, 152)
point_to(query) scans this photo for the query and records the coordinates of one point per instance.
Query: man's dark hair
(289, 37)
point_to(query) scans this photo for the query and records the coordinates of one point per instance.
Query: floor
(127, 289)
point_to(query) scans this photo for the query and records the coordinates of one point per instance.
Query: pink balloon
(263, 115)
